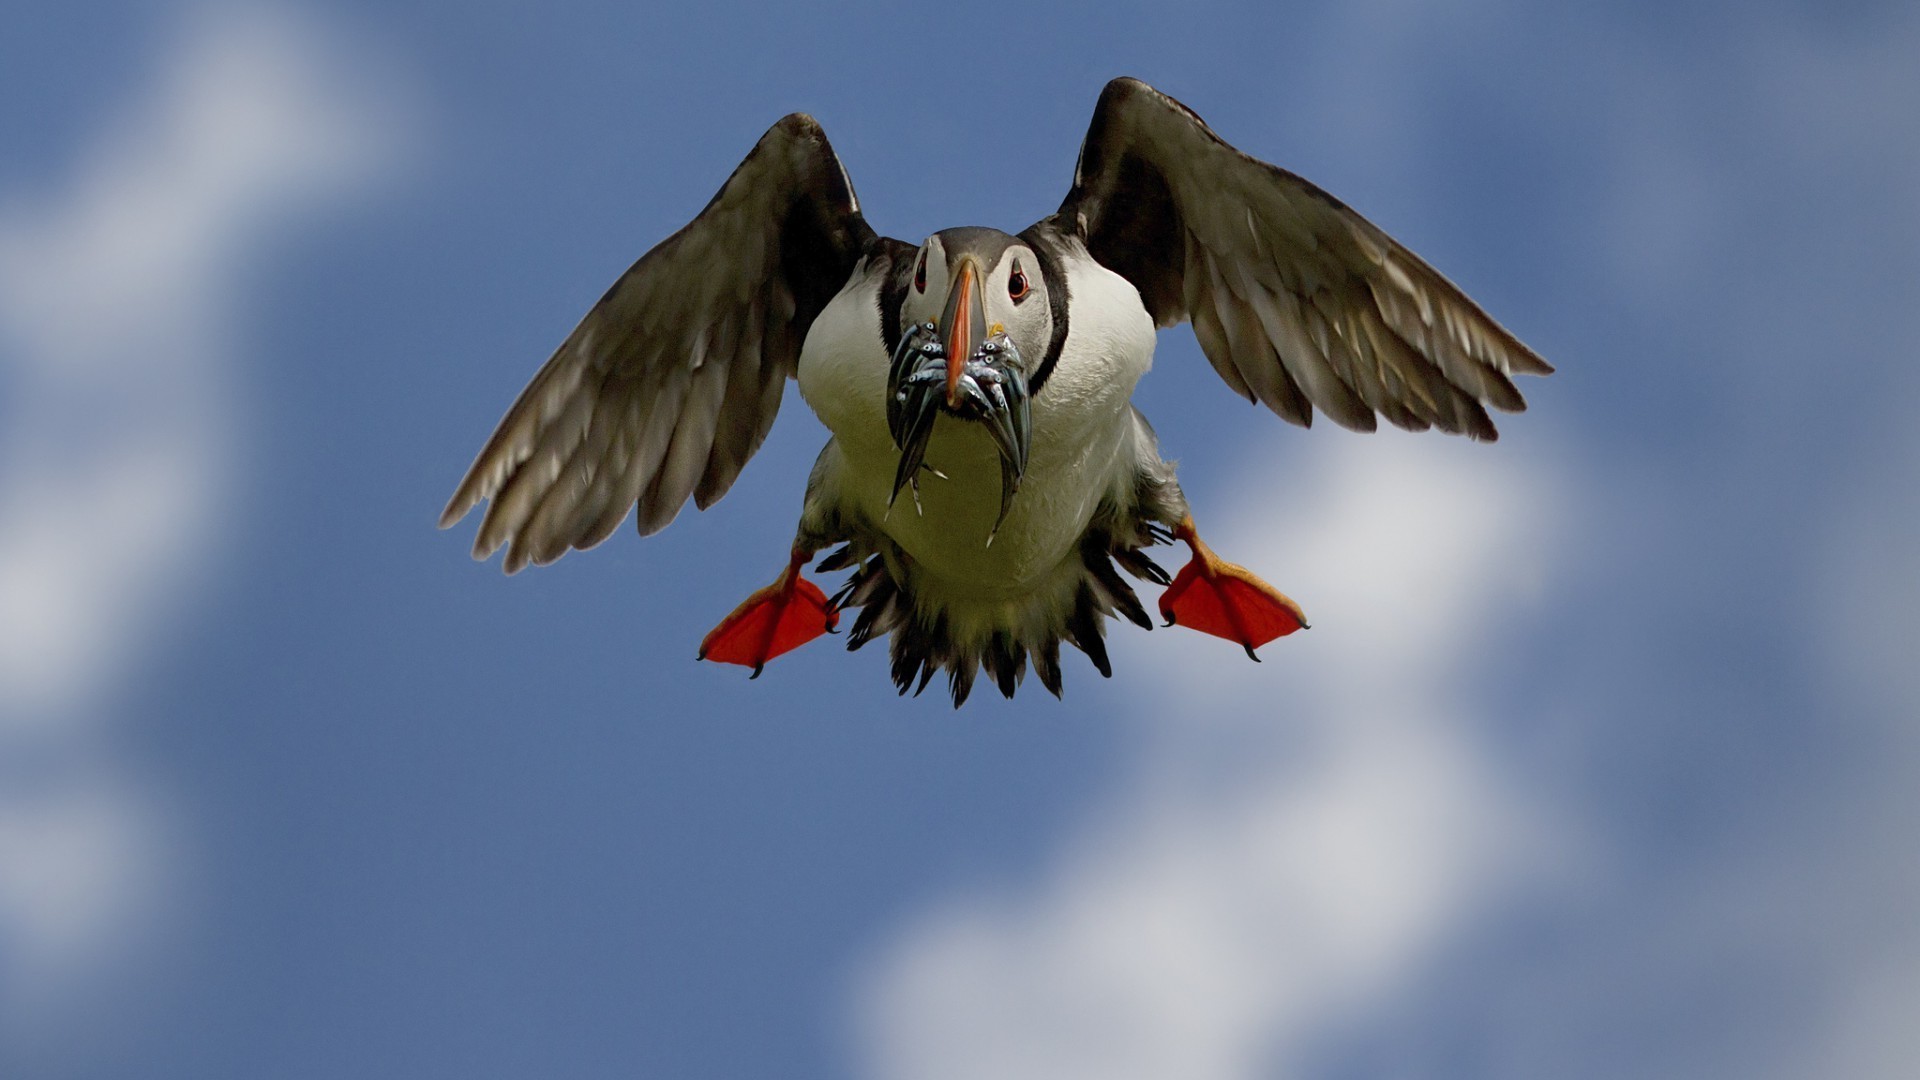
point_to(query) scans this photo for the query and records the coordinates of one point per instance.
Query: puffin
(987, 478)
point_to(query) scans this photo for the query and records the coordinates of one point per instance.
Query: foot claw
(1217, 597)
(777, 619)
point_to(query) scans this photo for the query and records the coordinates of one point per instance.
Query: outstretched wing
(1297, 301)
(670, 383)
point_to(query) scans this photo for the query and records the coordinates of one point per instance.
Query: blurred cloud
(1600, 761)
(1865, 884)
(1801, 283)
(1296, 860)
(119, 310)
(1299, 836)
(1296, 841)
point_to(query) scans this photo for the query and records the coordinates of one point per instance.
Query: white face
(1012, 292)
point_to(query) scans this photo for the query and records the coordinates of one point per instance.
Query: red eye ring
(1017, 286)
(920, 274)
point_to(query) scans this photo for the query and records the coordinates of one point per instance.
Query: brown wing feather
(670, 383)
(1297, 301)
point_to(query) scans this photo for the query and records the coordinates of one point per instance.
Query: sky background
(1602, 759)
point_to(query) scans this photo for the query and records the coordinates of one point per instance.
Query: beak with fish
(971, 371)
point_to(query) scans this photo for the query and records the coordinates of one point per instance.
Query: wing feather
(742, 419)
(1298, 301)
(617, 486)
(671, 381)
(548, 529)
(686, 456)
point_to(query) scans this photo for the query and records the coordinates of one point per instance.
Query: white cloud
(119, 297)
(1301, 835)
(1865, 594)
(116, 303)
(1273, 874)
(86, 858)
(1296, 839)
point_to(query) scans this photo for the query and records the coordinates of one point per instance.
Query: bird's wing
(670, 383)
(1297, 300)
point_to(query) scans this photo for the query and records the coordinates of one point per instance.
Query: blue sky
(1599, 761)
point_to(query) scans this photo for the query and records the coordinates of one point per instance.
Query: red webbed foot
(1220, 598)
(777, 619)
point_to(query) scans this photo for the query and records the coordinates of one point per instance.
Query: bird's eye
(920, 274)
(1017, 287)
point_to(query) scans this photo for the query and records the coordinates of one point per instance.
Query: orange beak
(965, 323)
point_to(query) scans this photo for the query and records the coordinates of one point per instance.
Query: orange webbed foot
(1228, 601)
(777, 619)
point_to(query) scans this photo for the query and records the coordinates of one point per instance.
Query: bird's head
(972, 283)
(975, 323)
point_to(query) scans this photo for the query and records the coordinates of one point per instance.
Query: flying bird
(988, 476)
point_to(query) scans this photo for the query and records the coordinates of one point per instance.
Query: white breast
(1082, 447)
